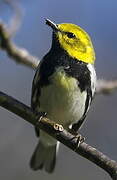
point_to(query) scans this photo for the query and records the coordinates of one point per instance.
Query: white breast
(62, 99)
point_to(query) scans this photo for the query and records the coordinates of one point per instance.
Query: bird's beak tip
(51, 24)
(46, 21)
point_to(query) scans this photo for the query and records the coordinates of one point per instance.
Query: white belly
(62, 99)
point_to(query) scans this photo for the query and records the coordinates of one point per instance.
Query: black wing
(35, 104)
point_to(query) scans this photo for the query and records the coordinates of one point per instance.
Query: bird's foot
(41, 115)
(79, 138)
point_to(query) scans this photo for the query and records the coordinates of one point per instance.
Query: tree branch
(15, 22)
(20, 55)
(57, 131)
(105, 86)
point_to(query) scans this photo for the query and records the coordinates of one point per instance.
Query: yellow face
(76, 42)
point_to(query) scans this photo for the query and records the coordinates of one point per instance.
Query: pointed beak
(51, 24)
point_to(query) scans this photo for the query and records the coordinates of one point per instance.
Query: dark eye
(70, 35)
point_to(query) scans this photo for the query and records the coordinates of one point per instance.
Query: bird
(63, 87)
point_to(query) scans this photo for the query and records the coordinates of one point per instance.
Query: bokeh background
(17, 137)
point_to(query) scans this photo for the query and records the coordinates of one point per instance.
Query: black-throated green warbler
(63, 87)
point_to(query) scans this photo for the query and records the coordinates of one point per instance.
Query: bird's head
(74, 40)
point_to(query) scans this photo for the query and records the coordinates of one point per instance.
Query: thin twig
(15, 20)
(57, 131)
(106, 86)
(20, 55)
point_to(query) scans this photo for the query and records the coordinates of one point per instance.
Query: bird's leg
(39, 116)
(79, 138)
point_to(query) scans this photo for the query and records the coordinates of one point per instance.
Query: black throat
(58, 57)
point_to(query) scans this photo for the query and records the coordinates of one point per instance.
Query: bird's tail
(44, 157)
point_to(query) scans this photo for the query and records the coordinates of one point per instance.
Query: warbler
(63, 87)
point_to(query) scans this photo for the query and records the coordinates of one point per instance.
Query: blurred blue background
(17, 138)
